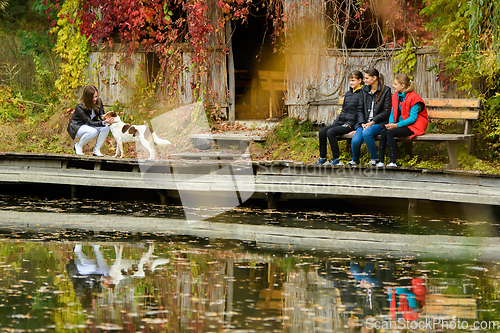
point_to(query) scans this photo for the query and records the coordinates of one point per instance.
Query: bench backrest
(451, 108)
(462, 109)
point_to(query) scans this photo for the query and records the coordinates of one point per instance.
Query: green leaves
(468, 38)
(405, 60)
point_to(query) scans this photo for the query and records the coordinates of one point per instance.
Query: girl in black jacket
(374, 108)
(87, 122)
(344, 123)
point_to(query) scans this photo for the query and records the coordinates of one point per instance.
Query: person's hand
(365, 126)
(108, 121)
(391, 126)
(351, 133)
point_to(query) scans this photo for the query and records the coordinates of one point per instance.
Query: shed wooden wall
(116, 79)
(316, 81)
(113, 78)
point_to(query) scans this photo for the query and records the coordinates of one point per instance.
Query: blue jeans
(366, 136)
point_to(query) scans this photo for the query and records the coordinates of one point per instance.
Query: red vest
(411, 98)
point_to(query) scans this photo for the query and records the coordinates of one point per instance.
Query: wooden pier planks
(286, 178)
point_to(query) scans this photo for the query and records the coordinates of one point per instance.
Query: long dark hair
(88, 98)
(380, 77)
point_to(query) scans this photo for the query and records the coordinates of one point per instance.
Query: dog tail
(159, 141)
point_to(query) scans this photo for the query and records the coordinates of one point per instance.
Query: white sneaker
(372, 163)
(78, 149)
(380, 165)
(352, 163)
(392, 165)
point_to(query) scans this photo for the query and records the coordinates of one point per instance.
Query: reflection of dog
(133, 133)
(122, 268)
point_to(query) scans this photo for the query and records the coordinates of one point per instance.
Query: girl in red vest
(408, 118)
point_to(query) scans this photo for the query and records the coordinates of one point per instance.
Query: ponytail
(381, 80)
(405, 80)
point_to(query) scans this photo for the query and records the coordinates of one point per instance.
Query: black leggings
(388, 136)
(331, 133)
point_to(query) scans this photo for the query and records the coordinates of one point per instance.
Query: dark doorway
(258, 69)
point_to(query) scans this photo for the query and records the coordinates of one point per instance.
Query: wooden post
(412, 210)
(254, 97)
(163, 196)
(409, 148)
(229, 297)
(274, 97)
(468, 130)
(73, 192)
(272, 200)
(452, 154)
(230, 73)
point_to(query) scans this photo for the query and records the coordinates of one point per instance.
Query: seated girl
(344, 123)
(408, 118)
(373, 113)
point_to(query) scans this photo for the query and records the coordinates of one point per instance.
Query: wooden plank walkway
(282, 178)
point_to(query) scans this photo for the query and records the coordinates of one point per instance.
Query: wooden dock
(279, 180)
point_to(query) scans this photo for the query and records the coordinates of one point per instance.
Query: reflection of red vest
(411, 98)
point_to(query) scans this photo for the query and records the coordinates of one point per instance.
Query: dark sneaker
(321, 161)
(336, 161)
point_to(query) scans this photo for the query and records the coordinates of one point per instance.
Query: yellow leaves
(71, 46)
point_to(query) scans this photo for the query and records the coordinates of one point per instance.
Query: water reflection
(178, 285)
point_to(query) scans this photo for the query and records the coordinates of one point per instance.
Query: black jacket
(381, 110)
(349, 114)
(82, 116)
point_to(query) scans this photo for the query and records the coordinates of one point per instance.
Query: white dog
(123, 132)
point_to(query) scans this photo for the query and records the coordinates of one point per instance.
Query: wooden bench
(466, 110)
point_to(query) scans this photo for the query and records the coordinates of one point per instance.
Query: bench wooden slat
(424, 137)
(438, 137)
(452, 114)
(452, 103)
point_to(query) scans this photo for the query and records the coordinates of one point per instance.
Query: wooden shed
(247, 79)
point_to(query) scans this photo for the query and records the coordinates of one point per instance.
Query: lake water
(79, 281)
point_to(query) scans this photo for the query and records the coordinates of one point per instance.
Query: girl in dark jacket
(408, 118)
(87, 122)
(344, 123)
(373, 113)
